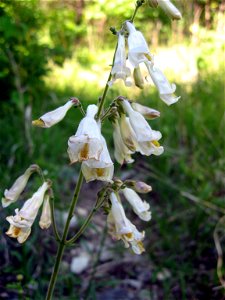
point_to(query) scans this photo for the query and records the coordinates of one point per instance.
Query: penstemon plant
(131, 133)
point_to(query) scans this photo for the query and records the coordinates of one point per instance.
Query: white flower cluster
(134, 134)
(120, 227)
(131, 133)
(138, 53)
(21, 223)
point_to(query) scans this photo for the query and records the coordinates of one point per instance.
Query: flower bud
(138, 79)
(139, 186)
(45, 220)
(53, 117)
(147, 112)
(170, 9)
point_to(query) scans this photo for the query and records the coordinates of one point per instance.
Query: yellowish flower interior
(156, 143)
(129, 235)
(99, 171)
(84, 152)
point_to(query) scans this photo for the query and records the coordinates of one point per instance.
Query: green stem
(52, 282)
(86, 223)
(56, 234)
(102, 102)
(62, 242)
(138, 4)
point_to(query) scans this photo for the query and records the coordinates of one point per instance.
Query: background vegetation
(52, 50)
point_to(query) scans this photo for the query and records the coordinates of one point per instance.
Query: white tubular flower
(119, 69)
(166, 90)
(86, 143)
(141, 208)
(121, 152)
(53, 117)
(45, 220)
(138, 78)
(101, 169)
(12, 195)
(138, 48)
(147, 112)
(128, 134)
(140, 126)
(170, 9)
(120, 228)
(20, 224)
(152, 146)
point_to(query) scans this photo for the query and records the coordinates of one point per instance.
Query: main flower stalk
(63, 242)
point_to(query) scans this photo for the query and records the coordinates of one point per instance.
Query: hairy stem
(62, 242)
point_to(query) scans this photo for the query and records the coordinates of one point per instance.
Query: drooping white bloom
(121, 152)
(101, 169)
(87, 142)
(19, 185)
(166, 90)
(45, 219)
(141, 208)
(128, 134)
(138, 48)
(140, 126)
(120, 228)
(53, 117)
(20, 224)
(152, 146)
(146, 137)
(147, 112)
(119, 69)
(170, 9)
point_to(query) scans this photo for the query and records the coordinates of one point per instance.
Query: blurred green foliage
(52, 50)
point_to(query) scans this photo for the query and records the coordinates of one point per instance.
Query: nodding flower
(53, 117)
(21, 223)
(138, 51)
(128, 134)
(12, 195)
(140, 207)
(119, 69)
(45, 219)
(147, 139)
(140, 126)
(101, 169)
(121, 152)
(120, 228)
(87, 142)
(166, 90)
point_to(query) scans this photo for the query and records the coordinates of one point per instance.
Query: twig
(219, 251)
